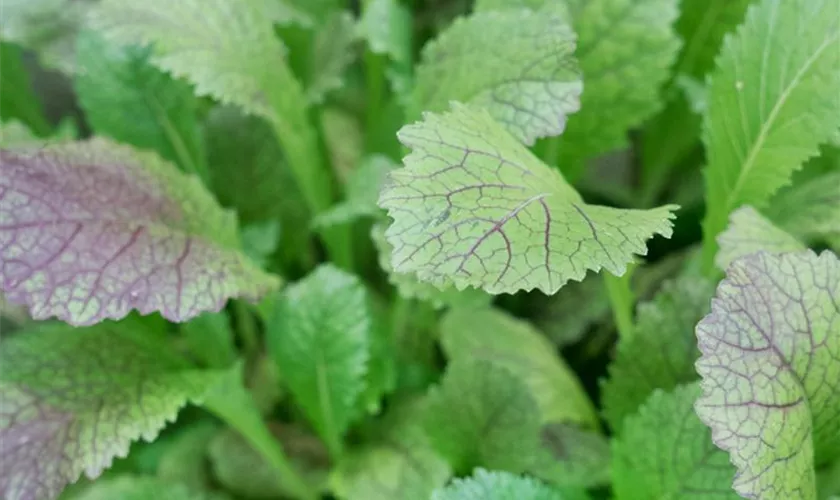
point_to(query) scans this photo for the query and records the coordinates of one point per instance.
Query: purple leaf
(91, 230)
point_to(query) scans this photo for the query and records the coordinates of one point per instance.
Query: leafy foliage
(477, 208)
(107, 229)
(770, 104)
(74, 400)
(770, 398)
(396, 249)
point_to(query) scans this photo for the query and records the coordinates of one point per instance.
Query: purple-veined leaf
(92, 230)
(771, 376)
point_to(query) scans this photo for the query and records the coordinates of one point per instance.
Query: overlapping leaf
(72, 400)
(703, 24)
(771, 104)
(662, 350)
(481, 415)
(320, 337)
(400, 464)
(474, 207)
(809, 210)
(361, 192)
(106, 229)
(114, 83)
(499, 339)
(142, 488)
(771, 380)
(750, 232)
(517, 64)
(665, 451)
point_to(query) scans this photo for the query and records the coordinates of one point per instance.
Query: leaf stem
(622, 300)
(233, 404)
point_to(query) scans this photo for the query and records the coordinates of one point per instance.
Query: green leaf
(474, 207)
(241, 470)
(344, 139)
(73, 399)
(183, 459)
(771, 104)
(625, 48)
(132, 233)
(386, 26)
(399, 464)
(115, 82)
(573, 457)
(808, 210)
(828, 481)
(483, 415)
(331, 53)
(320, 338)
(410, 287)
(501, 340)
(484, 485)
(362, 191)
(662, 350)
(771, 381)
(750, 232)
(18, 101)
(248, 172)
(567, 315)
(381, 376)
(516, 64)
(665, 451)
(141, 488)
(210, 339)
(703, 24)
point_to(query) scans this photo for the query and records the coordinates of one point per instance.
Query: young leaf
(808, 210)
(499, 339)
(483, 415)
(624, 48)
(362, 191)
(320, 337)
(771, 103)
(107, 229)
(183, 460)
(18, 101)
(386, 26)
(401, 464)
(517, 64)
(662, 350)
(703, 25)
(210, 339)
(332, 52)
(115, 82)
(484, 485)
(771, 381)
(474, 207)
(750, 232)
(664, 451)
(410, 287)
(73, 399)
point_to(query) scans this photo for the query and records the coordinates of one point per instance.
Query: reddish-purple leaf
(91, 230)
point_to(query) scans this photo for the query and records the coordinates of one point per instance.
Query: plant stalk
(622, 300)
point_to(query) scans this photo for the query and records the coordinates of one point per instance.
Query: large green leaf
(474, 207)
(320, 337)
(662, 350)
(73, 399)
(750, 232)
(108, 229)
(772, 102)
(482, 415)
(517, 64)
(771, 380)
(504, 341)
(115, 82)
(665, 451)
